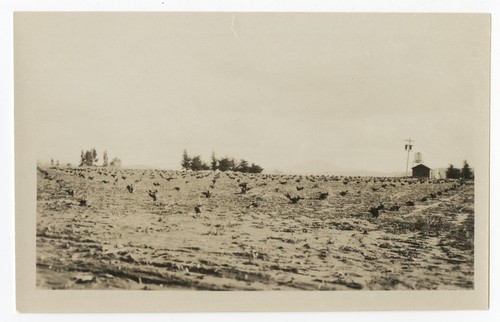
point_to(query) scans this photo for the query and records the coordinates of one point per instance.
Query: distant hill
(312, 167)
(321, 167)
(137, 166)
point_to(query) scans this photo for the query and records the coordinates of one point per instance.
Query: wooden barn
(421, 171)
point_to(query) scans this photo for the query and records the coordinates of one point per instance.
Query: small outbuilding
(438, 173)
(420, 171)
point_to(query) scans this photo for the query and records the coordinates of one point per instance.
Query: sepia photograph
(327, 154)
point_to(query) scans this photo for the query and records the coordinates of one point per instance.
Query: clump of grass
(293, 199)
(462, 236)
(429, 225)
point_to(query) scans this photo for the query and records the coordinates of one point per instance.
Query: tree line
(457, 173)
(195, 163)
(89, 158)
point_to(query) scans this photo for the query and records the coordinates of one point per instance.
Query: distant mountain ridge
(313, 167)
(321, 167)
(138, 166)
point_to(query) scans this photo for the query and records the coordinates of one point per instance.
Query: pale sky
(276, 89)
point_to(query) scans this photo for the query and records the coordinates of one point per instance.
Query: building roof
(420, 164)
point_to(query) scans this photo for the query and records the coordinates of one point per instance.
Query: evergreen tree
(186, 161)
(115, 162)
(466, 171)
(105, 159)
(82, 159)
(196, 163)
(94, 156)
(213, 162)
(254, 168)
(89, 159)
(224, 164)
(452, 172)
(242, 166)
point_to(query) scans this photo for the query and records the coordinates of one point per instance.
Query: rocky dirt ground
(105, 228)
